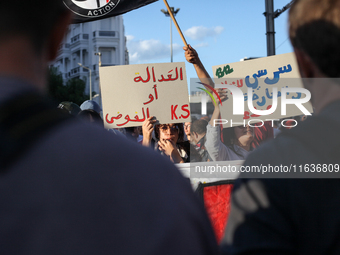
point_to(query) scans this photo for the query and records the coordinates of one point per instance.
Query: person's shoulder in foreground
(286, 216)
(78, 189)
(83, 190)
(297, 216)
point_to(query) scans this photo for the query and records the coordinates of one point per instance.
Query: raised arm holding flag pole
(191, 55)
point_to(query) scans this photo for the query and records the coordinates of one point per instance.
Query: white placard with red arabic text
(132, 93)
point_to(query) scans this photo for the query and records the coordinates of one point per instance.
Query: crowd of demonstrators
(72, 188)
(169, 140)
(262, 131)
(237, 141)
(298, 215)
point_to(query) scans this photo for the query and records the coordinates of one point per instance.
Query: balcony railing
(75, 38)
(104, 33)
(74, 71)
(64, 46)
(78, 36)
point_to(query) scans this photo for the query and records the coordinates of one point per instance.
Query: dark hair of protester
(180, 129)
(206, 118)
(229, 138)
(199, 126)
(317, 34)
(91, 116)
(28, 17)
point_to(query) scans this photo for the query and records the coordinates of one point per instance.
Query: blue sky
(222, 31)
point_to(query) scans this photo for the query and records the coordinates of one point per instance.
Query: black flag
(90, 10)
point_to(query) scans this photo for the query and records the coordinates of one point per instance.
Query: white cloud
(200, 32)
(129, 37)
(142, 51)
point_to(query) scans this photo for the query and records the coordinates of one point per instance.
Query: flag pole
(175, 22)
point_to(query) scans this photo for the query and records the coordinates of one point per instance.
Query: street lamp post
(270, 16)
(90, 78)
(167, 14)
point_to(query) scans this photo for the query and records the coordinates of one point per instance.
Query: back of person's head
(34, 19)
(91, 117)
(206, 118)
(199, 126)
(314, 28)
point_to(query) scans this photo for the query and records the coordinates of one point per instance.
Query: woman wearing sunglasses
(169, 140)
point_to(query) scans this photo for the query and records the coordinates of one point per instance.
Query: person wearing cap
(90, 105)
(90, 112)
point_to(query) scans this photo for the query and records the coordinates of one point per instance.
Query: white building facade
(82, 44)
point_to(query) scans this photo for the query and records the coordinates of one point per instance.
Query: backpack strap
(23, 120)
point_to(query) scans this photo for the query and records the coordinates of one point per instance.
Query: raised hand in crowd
(192, 57)
(147, 128)
(223, 94)
(168, 147)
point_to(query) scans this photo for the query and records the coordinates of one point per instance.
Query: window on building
(107, 56)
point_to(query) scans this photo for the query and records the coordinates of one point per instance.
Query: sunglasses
(165, 128)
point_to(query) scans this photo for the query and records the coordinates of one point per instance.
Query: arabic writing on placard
(253, 83)
(149, 77)
(226, 70)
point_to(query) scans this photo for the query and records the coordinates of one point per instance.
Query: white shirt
(219, 151)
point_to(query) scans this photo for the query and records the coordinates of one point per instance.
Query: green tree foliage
(72, 91)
